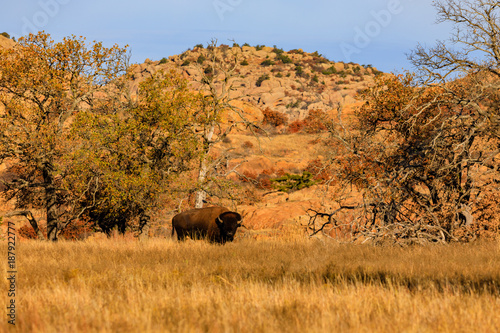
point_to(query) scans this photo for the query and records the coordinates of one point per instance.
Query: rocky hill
(292, 83)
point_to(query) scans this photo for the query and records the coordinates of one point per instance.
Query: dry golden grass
(254, 286)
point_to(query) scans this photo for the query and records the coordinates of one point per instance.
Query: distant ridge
(290, 82)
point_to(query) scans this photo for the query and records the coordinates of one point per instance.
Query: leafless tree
(423, 152)
(217, 79)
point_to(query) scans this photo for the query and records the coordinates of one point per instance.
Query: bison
(217, 224)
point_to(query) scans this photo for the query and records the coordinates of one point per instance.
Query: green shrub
(290, 182)
(246, 44)
(267, 62)
(278, 51)
(293, 105)
(244, 63)
(199, 46)
(259, 47)
(329, 71)
(236, 45)
(163, 60)
(284, 58)
(6, 35)
(208, 70)
(201, 59)
(186, 63)
(261, 79)
(315, 78)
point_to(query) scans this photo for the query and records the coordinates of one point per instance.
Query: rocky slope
(292, 82)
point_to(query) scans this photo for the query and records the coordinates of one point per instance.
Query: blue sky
(377, 32)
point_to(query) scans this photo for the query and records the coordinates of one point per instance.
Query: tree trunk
(201, 194)
(144, 225)
(50, 203)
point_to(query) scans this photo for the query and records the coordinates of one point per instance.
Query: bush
(186, 63)
(299, 71)
(201, 59)
(313, 123)
(296, 126)
(319, 170)
(278, 51)
(261, 79)
(293, 105)
(208, 70)
(247, 145)
(163, 60)
(27, 232)
(76, 230)
(267, 62)
(296, 51)
(259, 47)
(290, 183)
(274, 118)
(284, 58)
(329, 71)
(199, 46)
(244, 63)
(6, 35)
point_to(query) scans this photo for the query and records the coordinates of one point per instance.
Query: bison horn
(219, 220)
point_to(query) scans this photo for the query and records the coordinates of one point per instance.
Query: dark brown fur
(203, 223)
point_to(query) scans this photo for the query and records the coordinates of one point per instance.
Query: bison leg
(181, 234)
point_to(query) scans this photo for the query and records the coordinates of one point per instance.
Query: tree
(129, 159)
(43, 85)
(216, 85)
(423, 152)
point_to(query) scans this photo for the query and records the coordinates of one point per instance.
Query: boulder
(339, 66)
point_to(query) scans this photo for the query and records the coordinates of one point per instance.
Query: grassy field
(122, 285)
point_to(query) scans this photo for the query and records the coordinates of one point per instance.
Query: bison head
(228, 223)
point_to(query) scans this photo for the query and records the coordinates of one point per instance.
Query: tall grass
(254, 286)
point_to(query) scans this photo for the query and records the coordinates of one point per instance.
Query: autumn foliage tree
(43, 84)
(129, 159)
